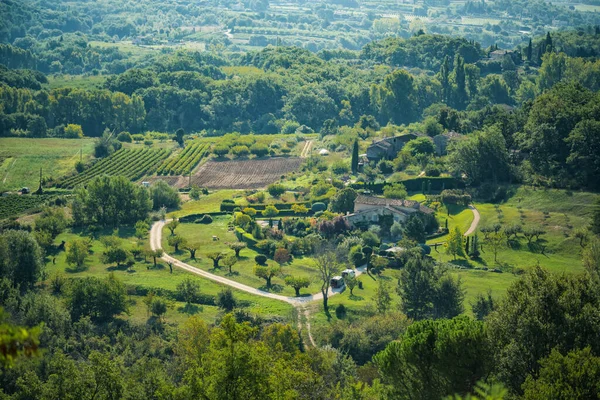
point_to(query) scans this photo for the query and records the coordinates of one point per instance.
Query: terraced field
(245, 174)
(133, 164)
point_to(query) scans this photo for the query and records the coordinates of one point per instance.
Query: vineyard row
(185, 162)
(133, 164)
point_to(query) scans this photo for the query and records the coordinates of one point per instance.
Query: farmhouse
(369, 209)
(441, 142)
(388, 148)
(498, 54)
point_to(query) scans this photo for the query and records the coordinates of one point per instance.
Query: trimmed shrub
(261, 259)
(319, 206)
(125, 137)
(206, 219)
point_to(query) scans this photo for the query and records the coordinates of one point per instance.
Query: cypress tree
(529, 50)
(355, 157)
(467, 246)
(459, 77)
(444, 79)
(548, 42)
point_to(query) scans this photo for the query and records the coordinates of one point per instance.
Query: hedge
(415, 184)
(226, 206)
(194, 217)
(285, 213)
(245, 237)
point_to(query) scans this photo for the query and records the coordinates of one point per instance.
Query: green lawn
(22, 158)
(206, 203)
(145, 275)
(559, 212)
(201, 236)
(457, 216)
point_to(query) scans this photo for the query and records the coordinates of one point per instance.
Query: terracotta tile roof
(380, 201)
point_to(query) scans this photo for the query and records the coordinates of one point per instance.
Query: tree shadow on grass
(233, 273)
(479, 261)
(538, 247)
(190, 309)
(354, 297)
(117, 268)
(74, 270)
(455, 209)
(273, 289)
(159, 266)
(462, 263)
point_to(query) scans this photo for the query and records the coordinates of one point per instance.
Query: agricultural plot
(246, 174)
(185, 162)
(22, 158)
(15, 204)
(133, 164)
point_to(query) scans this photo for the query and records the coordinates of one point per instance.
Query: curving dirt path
(475, 223)
(156, 243)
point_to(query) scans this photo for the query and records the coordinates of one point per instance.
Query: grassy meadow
(145, 275)
(201, 236)
(22, 158)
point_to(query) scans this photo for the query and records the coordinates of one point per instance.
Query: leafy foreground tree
(16, 341)
(540, 312)
(188, 289)
(99, 299)
(110, 201)
(428, 291)
(233, 362)
(163, 195)
(435, 359)
(20, 258)
(575, 375)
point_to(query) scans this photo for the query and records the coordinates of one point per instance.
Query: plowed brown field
(245, 174)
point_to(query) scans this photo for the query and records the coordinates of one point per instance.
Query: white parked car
(348, 273)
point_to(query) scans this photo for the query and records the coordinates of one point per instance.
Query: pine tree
(355, 157)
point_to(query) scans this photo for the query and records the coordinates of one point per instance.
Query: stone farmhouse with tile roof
(368, 210)
(388, 148)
